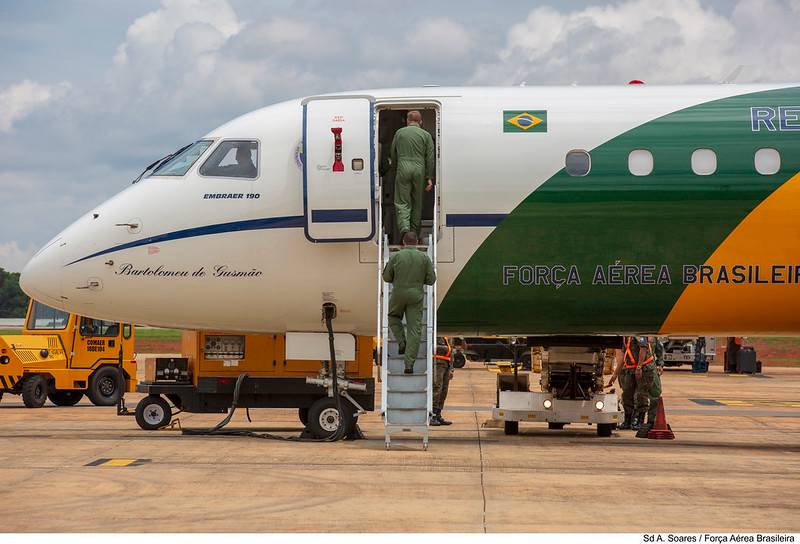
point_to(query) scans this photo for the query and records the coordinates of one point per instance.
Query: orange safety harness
(630, 361)
(446, 355)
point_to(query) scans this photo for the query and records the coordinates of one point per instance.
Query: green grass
(160, 335)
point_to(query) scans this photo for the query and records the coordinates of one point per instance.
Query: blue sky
(92, 91)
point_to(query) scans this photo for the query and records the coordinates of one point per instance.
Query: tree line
(13, 301)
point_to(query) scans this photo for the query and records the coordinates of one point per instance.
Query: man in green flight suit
(408, 270)
(412, 155)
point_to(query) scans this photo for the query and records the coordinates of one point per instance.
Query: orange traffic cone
(660, 430)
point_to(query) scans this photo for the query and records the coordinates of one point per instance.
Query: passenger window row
(767, 161)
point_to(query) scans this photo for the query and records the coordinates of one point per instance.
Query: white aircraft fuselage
(524, 247)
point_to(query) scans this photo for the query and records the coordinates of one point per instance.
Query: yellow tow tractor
(64, 356)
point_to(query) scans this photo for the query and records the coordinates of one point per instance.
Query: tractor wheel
(65, 397)
(106, 386)
(34, 391)
(153, 412)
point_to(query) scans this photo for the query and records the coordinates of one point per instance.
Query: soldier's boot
(436, 419)
(625, 425)
(443, 421)
(635, 425)
(643, 431)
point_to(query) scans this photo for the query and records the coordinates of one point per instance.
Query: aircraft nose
(41, 277)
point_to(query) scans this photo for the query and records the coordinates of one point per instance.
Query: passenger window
(578, 162)
(704, 162)
(640, 162)
(180, 163)
(767, 161)
(98, 327)
(232, 159)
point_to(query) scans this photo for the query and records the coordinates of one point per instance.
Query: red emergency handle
(338, 165)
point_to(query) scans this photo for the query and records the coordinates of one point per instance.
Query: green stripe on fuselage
(671, 217)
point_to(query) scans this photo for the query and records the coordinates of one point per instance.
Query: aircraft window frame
(704, 172)
(156, 172)
(103, 328)
(641, 173)
(762, 150)
(222, 142)
(32, 318)
(578, 173)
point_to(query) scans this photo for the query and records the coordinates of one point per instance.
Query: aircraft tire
(302, 413)
(34, 391)
(511, 427)
(554, 425)
(323, 418)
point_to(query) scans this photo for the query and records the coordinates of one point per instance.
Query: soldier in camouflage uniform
(636, 374)
(653, 392)
(442, 373)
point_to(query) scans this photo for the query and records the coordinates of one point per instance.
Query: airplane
(669, 210)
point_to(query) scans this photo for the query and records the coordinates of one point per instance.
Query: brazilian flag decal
(525, 121)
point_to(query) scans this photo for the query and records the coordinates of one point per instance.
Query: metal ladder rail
(383, 323)
(431, 294)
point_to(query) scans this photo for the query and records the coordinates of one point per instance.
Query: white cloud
(12, 257)
(671, 41)
(440, 40)
(21, 99)
(149, 35)
(161, 47)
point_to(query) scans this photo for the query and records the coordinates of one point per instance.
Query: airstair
(406, 399)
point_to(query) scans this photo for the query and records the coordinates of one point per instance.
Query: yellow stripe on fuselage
(769, 235)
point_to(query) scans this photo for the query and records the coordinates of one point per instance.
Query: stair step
(407, 417)
(407, 382)
(398, 366)
(412, 400)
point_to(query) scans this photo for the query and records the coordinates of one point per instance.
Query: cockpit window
(180, 163)
(233, 159)
(44, 317)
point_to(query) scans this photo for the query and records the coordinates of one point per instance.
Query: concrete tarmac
(735, 466)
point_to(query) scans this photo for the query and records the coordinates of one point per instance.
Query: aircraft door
(338, 168)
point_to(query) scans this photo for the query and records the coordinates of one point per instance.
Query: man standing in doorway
(412, 154)
(408, 270)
